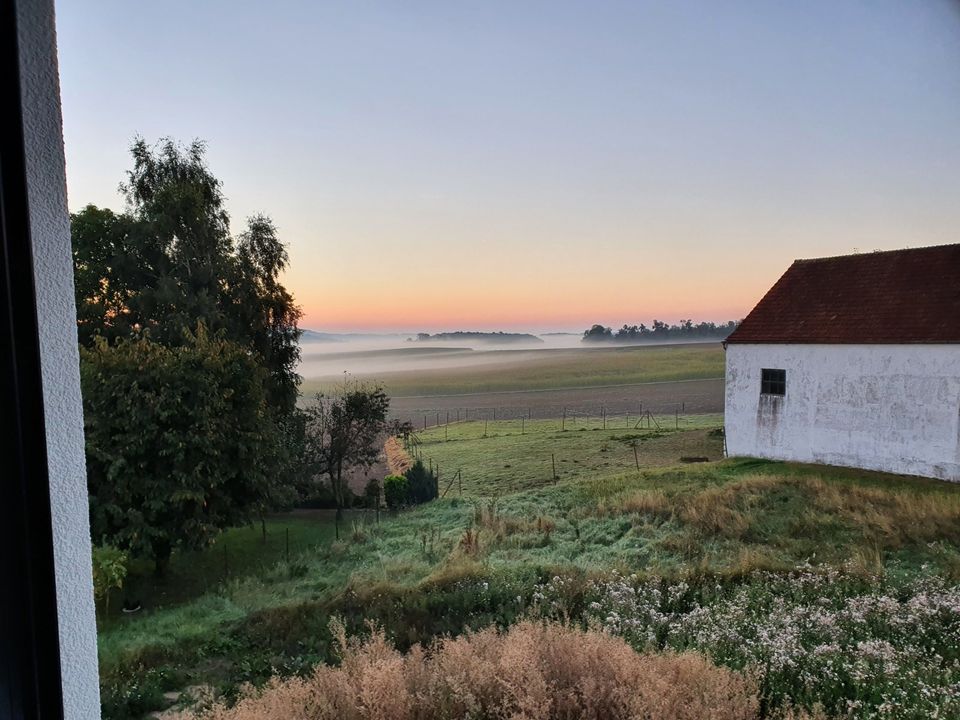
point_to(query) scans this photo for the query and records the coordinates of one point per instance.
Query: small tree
(109, 572)
(344, 430)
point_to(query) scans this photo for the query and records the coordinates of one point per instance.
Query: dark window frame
(30, 673)
(773, 381)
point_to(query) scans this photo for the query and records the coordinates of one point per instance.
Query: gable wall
(894, 408)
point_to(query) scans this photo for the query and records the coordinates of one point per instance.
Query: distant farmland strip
(546, 371)
(554, 390)
(620, 403)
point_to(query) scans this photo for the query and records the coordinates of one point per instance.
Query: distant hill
(317, 336)
(484, 337)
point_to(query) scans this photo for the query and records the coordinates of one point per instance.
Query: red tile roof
(900, 296)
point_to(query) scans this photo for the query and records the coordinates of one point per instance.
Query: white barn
(854, 361)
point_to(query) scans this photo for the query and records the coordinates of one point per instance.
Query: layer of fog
(372, 355)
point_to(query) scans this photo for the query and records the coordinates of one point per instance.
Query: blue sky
(535, 164)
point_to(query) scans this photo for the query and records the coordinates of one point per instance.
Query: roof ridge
(876, 252)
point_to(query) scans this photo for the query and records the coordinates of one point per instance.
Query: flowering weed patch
(859, 647)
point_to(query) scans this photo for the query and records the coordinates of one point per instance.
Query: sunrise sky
(535, 165)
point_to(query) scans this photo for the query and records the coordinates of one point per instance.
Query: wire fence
(660, 415)
(550, 457)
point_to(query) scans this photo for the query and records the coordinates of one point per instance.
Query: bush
(395, 491)
(109, 572)
(533, 670)
(421, 484)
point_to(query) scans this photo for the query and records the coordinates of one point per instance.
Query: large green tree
(169, 261)
(180, 441)
(179, 444)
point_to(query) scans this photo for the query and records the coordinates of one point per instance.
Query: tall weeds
(533, 671)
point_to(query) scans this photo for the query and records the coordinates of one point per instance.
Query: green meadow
(246, 609)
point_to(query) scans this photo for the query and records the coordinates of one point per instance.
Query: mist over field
(372, 355)
(327, 357)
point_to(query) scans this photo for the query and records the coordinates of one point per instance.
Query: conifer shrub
(421, 484)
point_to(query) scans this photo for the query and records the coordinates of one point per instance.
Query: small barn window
(773, 382)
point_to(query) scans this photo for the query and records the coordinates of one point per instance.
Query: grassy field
(517, 535)
(502, 457)
(516, 370)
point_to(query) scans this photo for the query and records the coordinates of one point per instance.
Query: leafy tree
(170, 262)
(180, 441)
(597, 332)
(344, 430)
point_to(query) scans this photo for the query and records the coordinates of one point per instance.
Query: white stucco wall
(882, 407)
(59, 359)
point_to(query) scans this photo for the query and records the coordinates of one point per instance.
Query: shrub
(109, 572)
(533, 670)
(421, 484)
(395, 490)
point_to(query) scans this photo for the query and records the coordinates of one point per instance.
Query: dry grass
(398, 459)
(887, 517)
(726, 510)
(641, 502)
(532, 671)
(893, 516)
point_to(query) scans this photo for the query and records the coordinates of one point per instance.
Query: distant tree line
(659, 330)
(498, 337)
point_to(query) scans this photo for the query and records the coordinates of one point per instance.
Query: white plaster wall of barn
(894, 408)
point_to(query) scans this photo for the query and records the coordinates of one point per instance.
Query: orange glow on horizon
(511, 308)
